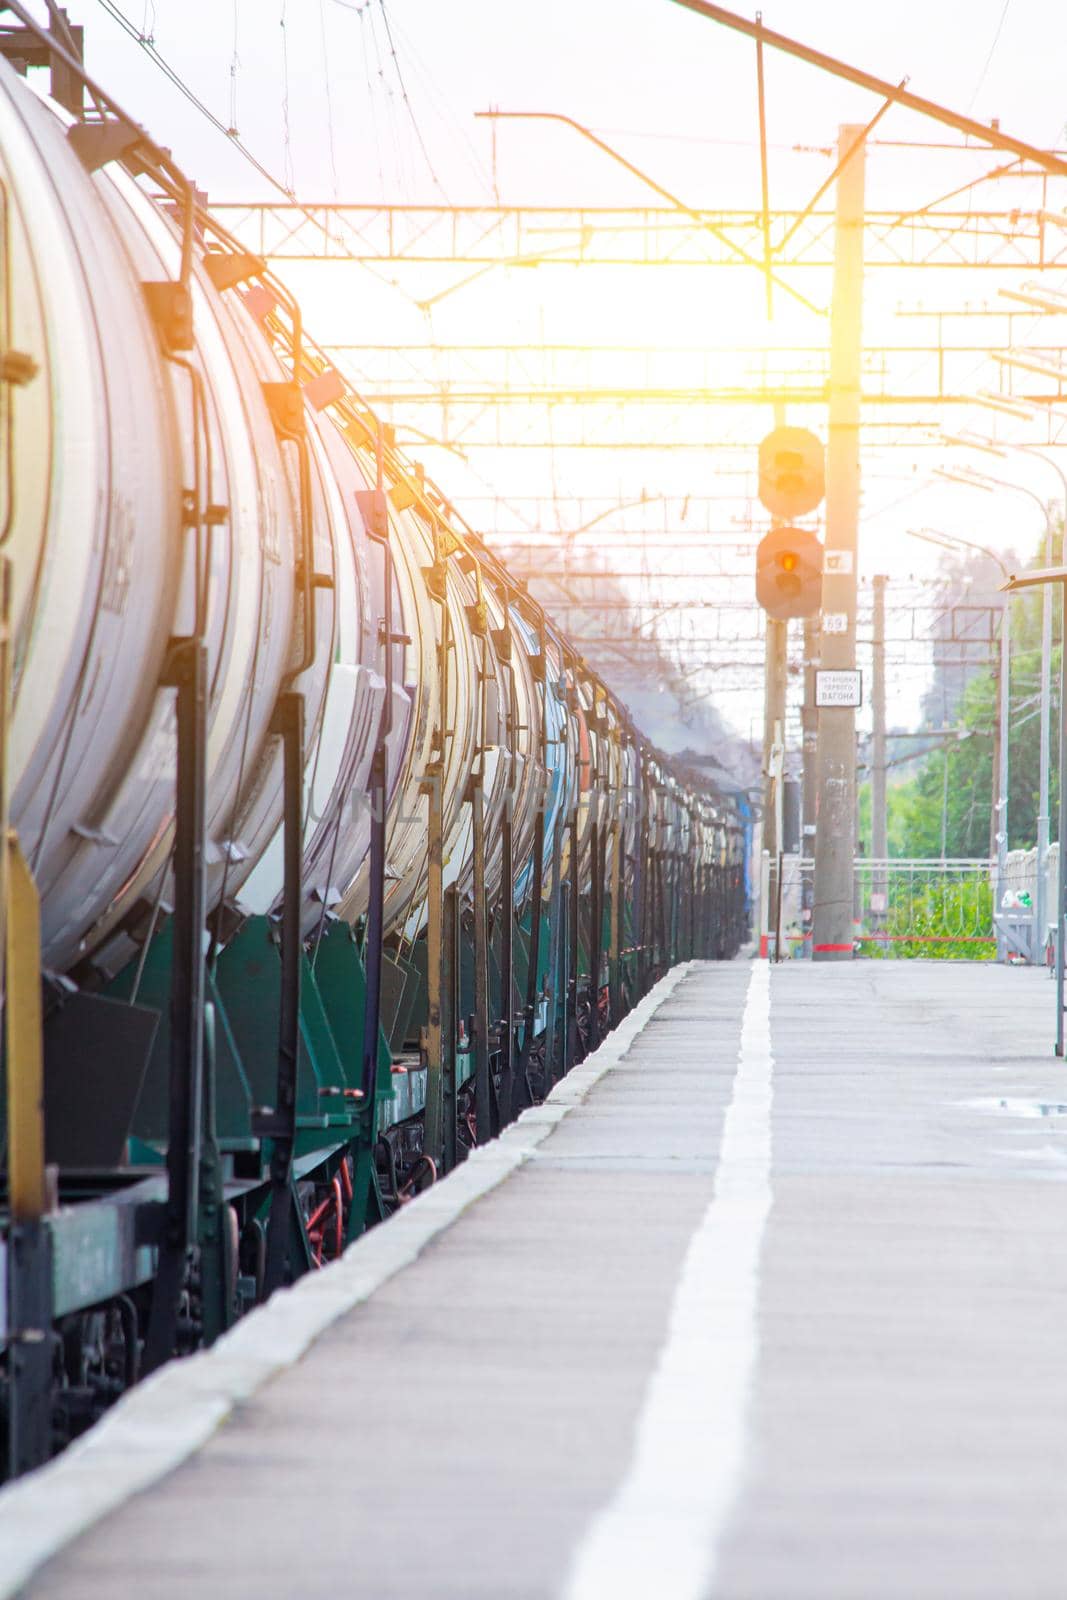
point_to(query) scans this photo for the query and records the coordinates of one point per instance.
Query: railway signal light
(789, 573)
(792, 472)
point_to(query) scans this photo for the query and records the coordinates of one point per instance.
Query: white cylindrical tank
(94, 497)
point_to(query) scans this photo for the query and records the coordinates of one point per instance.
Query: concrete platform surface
(778, 1312)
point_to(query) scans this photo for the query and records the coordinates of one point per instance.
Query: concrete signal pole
(810, 724)
(792, 475)
(835, 827)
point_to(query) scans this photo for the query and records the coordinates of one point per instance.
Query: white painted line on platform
(662, 1531)
(165, 1420)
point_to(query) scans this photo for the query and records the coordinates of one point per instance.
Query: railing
(902, 908)
(935, 909)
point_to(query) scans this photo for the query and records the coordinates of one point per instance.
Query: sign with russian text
(841, 686)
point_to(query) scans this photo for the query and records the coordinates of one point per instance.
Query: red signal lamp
(789, 573)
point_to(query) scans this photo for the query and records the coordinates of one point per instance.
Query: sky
(676, 88)
(365, 101)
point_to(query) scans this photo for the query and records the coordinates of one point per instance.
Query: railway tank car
(327, 852)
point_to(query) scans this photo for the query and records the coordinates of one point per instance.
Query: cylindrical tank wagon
(343, 854)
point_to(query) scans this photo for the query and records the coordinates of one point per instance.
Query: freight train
(325, 852)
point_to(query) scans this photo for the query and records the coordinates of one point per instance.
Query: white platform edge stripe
(165, 1420)
(662, 1530)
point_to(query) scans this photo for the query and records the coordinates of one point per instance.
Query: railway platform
(767, 1302)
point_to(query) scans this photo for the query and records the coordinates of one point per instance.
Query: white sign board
(837, 561)
(839, 687)
(835, 622)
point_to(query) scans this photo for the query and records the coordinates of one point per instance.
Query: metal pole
(507, 959)
(433, 1116)
(574, 874)
(280, 1124)
(596, 916)
(615, 924)
(1043, 788)
(835, 822)
(1004, 727)
(879, 818)
(452, 943)
(995, 765)
(1061, 896)
(556, 988)
(773, 718)
(433, 787)
(483, 1111)
(520, 1087)
(374, 509)
(187, 671)
(29, 1243)
(1061, 899)
(1040, 909)
(1041, 903)
(810, 723)
(944, 802)
(777, 639)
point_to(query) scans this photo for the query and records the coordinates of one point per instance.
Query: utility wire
(406, 100)
(287, 144)
(989, 57)
(441, 105)
(360, 11)
(231, 136)
(329, 97)
(194, 100)
(399, 146)
(235, 62)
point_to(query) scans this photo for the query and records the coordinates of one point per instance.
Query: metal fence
(910, 908)
(914, 907)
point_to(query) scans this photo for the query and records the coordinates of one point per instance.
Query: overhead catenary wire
(442, 106)
(328, 87)
(406, 98)
(989, 58)
(173, 77)
(360, 11)
(235, 64)
(287, 142)
(233, 138)
(402, 177)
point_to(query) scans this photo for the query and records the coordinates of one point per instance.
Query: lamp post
(997, 448)
(951, 541)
